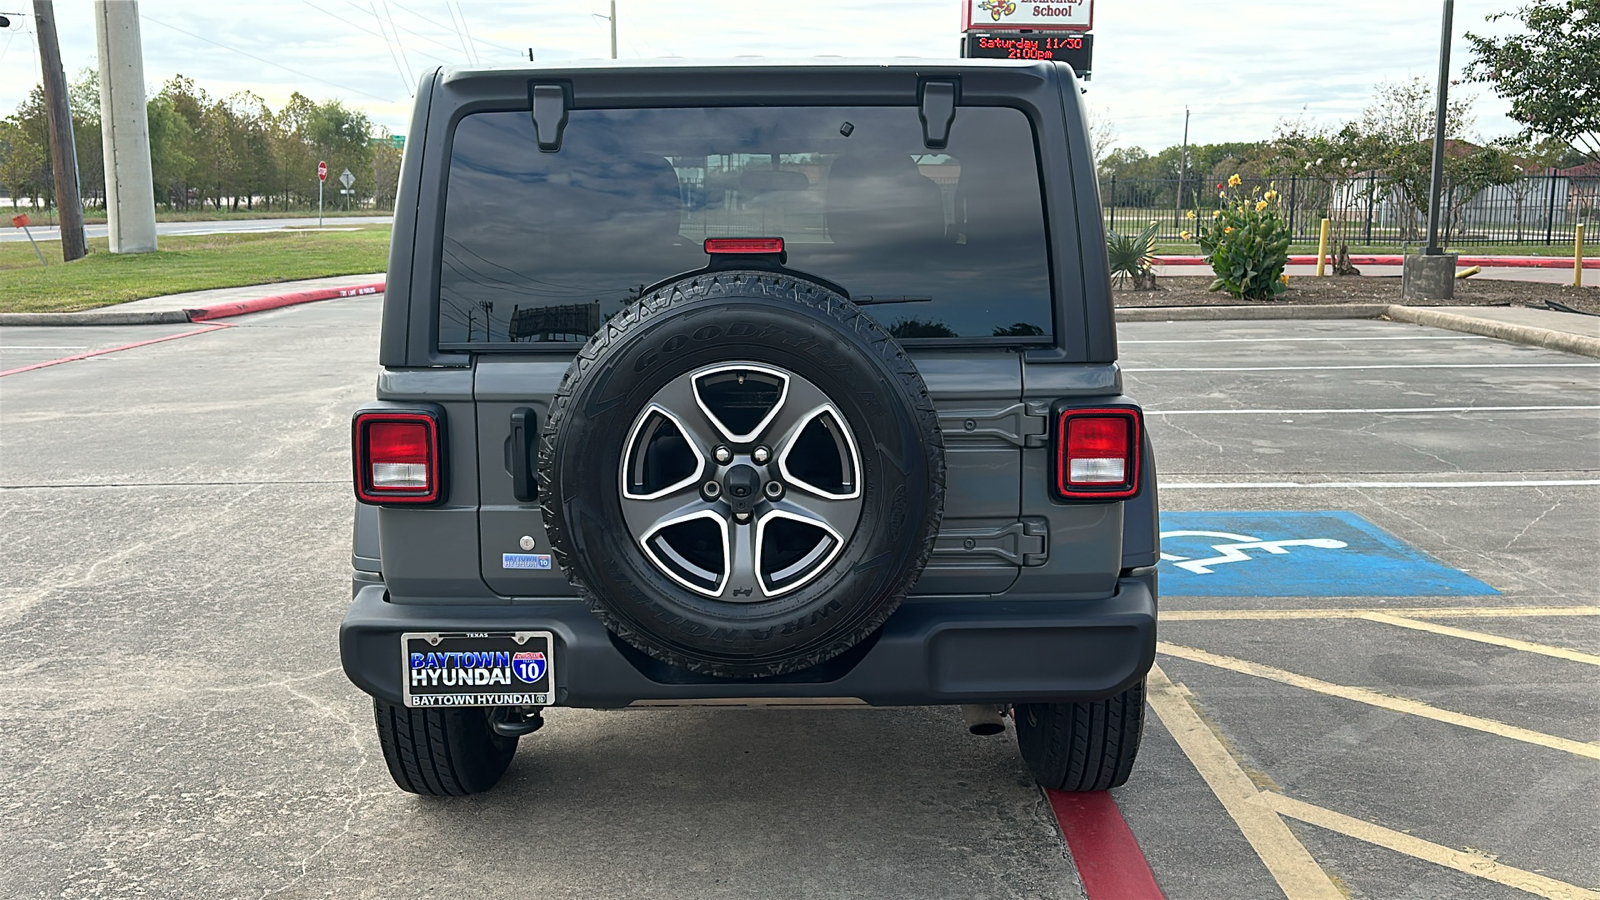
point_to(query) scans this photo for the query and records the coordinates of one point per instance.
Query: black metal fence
(1362, 212)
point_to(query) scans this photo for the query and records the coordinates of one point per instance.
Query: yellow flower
(1234, 181)
(1228, 230)
(1216, 214)
(1186, 235)
(1270, 195)
(1284, 278)
(1260, 205)
(1189, 214)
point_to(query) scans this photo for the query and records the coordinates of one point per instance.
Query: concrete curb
(151, 317)
(1214, 313)
(197, 314)
(1583, 345)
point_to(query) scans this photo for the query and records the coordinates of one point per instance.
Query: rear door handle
(524, 428)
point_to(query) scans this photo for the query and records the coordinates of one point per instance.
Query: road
(175, 721)
(228, 226)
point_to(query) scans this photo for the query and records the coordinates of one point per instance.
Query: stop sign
(322, 171)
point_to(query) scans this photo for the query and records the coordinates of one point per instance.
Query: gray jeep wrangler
(750, 383)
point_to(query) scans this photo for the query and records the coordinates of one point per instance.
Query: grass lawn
(184, 263)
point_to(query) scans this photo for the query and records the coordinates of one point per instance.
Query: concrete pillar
(130, 194)
(1429, 276)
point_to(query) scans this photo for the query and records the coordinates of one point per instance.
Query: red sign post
(322, 171)
(322, 177)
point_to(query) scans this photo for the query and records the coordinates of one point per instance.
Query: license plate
(478, 668)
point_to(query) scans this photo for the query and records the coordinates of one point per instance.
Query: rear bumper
(929, 652)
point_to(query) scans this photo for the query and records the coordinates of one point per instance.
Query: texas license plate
(477, 668)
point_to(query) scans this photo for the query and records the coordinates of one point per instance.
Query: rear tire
(442, 752)
(1082, 746)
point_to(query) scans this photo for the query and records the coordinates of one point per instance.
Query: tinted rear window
(542, 247)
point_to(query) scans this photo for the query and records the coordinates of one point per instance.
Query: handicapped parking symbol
(1233, 550)
(1328, 553)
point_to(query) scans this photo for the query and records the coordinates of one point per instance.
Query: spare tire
(742, 474)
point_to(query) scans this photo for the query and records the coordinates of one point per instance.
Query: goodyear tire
(742, 474)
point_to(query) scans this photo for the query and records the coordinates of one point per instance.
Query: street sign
(347, 179)
(20, 221)
(1076, 50)
(322, 171)
(1040, 15)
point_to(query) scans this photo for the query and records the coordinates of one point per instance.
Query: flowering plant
(1246, 242)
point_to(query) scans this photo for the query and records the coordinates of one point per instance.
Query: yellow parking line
(1442, 612)
(1482, 638)
(1291, 865)
(1383, 701)
(1472, 864)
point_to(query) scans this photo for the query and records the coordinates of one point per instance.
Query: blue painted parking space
(1297, 554)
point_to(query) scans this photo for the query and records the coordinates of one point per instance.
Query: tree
(1551, 73)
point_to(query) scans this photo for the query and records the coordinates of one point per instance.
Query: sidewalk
(196, 306)
(1569, 332)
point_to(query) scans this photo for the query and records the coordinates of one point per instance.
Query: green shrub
(1131, 258)
(1247, 243)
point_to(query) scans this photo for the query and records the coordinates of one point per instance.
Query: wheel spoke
(802, 400)
(678, 398)
(837, 516)
(744, 585)
(646, 516)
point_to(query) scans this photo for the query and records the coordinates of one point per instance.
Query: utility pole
(1436, 183)
(1183, 166)
(63, 153)
(125, 130)
(1430, 275)
(613, 19)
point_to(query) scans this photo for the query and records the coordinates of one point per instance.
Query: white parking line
(1378, 412)
(1255, 485)
(1382, 366)
(1279, 340)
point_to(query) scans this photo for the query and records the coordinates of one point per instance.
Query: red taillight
(397, 457)
(744, 245)
(1097, 454)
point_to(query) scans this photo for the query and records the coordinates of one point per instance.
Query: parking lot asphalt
(175, 722)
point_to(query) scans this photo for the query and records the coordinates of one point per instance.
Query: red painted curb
(66, 359)
(262, 304)
(1103, 847)
(1494, 262)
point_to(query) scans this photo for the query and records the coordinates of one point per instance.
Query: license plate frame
(444, 669)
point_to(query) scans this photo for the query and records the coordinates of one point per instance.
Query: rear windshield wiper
(878, 300)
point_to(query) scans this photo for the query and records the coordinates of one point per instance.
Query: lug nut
(723, 455)
(712, 490)
(761, 455)
(774, 489)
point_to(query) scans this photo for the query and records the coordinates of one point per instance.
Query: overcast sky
(1240, 66)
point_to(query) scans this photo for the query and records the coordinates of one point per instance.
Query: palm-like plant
(1131, 257)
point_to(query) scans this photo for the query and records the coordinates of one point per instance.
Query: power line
(462, 13)
(390, 13)
(457, 29)
(432, 22)
(383, 37)
(267, 61)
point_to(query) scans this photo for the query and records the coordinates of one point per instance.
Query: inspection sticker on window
(1297, 554)
(524, 560)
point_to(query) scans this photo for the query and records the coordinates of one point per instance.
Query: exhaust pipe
(984, 718)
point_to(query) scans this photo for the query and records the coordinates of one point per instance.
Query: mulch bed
(1187, 290)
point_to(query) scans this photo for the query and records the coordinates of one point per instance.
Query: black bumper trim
(929, 652)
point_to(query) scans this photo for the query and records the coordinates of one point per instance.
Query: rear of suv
(750, 383)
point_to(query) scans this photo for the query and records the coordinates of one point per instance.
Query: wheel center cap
(742, 487)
